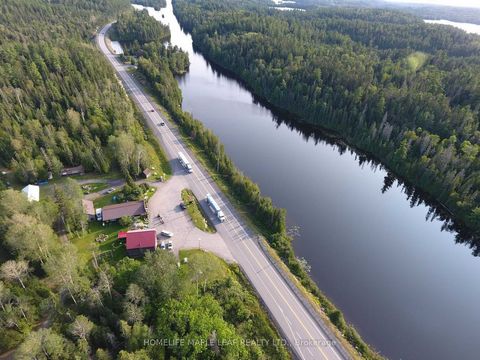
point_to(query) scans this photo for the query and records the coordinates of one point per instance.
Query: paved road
(301, 331)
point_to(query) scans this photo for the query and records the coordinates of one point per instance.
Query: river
(405, 284)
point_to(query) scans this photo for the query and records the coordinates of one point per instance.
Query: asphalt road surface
(304, 335)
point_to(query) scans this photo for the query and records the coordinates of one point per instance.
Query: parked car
(162, 245)
(111, 190)
(183, 206)
(169, 245)
(166, 233)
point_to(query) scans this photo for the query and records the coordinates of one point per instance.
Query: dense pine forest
(61, 103)
(404, 91)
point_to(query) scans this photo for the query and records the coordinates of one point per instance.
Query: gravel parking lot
(166, 202)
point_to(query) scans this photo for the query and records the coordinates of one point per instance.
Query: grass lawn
(110, 249)
(195, 211)
(46, 190)
(94, 187)
(159, 163)
(202, 266)
(109, 199)
(106, 199)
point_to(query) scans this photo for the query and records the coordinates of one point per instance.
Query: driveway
(166, 202)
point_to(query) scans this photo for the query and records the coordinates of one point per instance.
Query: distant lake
(117, 48)
(469, 28)
(282, 8)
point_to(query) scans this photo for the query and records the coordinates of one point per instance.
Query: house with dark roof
(139, 241)
(129, 208)
(75, 170)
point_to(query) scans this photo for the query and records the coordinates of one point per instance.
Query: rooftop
(32, 192)
(88, 207)
(141, 239)
(75, 170)
(129, 208)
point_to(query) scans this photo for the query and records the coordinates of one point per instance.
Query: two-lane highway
(305, 336)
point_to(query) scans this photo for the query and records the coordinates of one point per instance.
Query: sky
(464, 3)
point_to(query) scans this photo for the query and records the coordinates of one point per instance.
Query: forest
(61, 103)
(143, 37)
(137, 27)
(55, 305)
(404, 91)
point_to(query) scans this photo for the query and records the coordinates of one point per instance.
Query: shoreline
(451, 217)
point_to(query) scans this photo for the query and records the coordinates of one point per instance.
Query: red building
(139, 241)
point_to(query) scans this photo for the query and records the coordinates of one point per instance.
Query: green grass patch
(196, 213)
(46, 190)
(155, 151)
(93, 187)
(203, 265)
(109, 250)
(160, 164)
(118, 196)
(108, 199)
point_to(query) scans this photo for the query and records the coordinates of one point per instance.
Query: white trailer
(212, 204)
(183, 160)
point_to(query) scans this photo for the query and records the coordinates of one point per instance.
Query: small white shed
(32, 192)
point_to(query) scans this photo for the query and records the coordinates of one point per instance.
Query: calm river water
(406, 285)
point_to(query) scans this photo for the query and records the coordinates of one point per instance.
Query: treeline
(61, 104)
(156, 4)
(55, 306)
(404, 91)
(138, 26)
